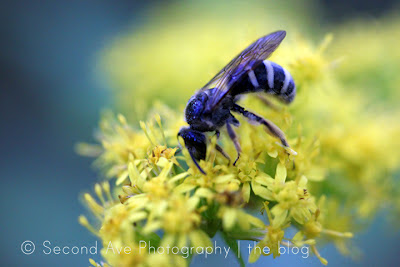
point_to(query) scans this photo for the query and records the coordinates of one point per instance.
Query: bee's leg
(220, 150)
(272, 129)
(267, 102)
(195, 162)
(235, 140)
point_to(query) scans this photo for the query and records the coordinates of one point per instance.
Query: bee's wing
(247, 60)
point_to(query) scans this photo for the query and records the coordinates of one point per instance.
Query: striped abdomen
(269, 77)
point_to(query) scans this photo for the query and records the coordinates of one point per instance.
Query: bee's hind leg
(272, 129)
(235, 141)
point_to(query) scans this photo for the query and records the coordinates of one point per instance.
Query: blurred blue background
(51, 94)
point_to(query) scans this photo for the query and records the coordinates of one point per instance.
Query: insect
(211, 107)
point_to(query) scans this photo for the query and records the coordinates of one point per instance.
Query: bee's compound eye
(194, 109)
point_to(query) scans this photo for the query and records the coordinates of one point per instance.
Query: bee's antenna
(196, 163)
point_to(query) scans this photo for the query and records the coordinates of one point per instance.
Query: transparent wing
(247, 60)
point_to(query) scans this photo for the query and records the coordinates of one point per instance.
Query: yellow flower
(320, 228)
(118, 141)
(162, 152)
(271, 241)
(232, 214)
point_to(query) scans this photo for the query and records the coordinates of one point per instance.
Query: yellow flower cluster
(342, 171)
(166, 200)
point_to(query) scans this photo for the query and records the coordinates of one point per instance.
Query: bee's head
(195, 107)
(196, 144)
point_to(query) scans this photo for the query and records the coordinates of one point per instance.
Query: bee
(211, 107)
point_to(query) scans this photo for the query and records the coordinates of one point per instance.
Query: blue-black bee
(210, 108)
